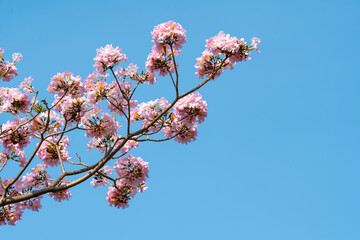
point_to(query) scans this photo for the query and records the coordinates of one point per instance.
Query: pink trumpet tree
(96, 106)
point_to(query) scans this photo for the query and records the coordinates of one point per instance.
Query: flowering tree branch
(77, 106)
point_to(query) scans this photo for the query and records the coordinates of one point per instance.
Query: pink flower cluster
(98, 127)
(69, 96)
(116, 100)
(73, 109)
(120, 195)
(130, 71)
(169, 38)
(169, 33)
(97, 88)
(13, 101)
(40, 123)
(11, 214)
(108, 57)
(51, 150)
(147, 112)
(16, 135)
(132, 173)
(99, 180)
(183, 120)
(8, 70)
(66, 83)
(158, 62)
(38, 177)
(223, 52)
(26, 85)
(61, 195)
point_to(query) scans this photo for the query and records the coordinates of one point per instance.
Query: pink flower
(37, 178)
(10, 215)
(14, 101)
(255, 42)
(108, 57)
(17, 57)
(26, 85)
(129, 71)
(99, 127)
(7, 71)
(119, 105)
(15, 137)
(120, 196)
(73, 109)
(223, 52)
(133, 171)
(128, 146)
(207, 64)
(183, 120)
(147, 112)
(40, 122)
(66, 83)
(99, 180)
(159, 62)
(51, 150)
(169, 33)
(62, 195)
(102, 144)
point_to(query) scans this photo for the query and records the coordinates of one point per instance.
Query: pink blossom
(183, 120)
(15, 137)
(169, 33)
(99, 127)
(73, 109)
(119, 105)
(255, 42)
(129, 71)
(191, 108)
(102, 144)
(159, 62)
(97, 90)
(133, 171)
(121, 195)
(224, 44)
(41, 121)
(37, 178)
(32, 204)
(99, 180)
(61, 195)
(223, 52)
(208, 64)
(14, 101)
(17, 57)
(10, 215)
(52, 150)
(108, 57)
(26, 85)
(4, 157)
(7, 71)
(147, 112)
(66, 82)
(128, 146)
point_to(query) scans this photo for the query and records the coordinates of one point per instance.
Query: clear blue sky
(278, 157)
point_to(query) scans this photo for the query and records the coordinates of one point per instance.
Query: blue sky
(276, 159)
